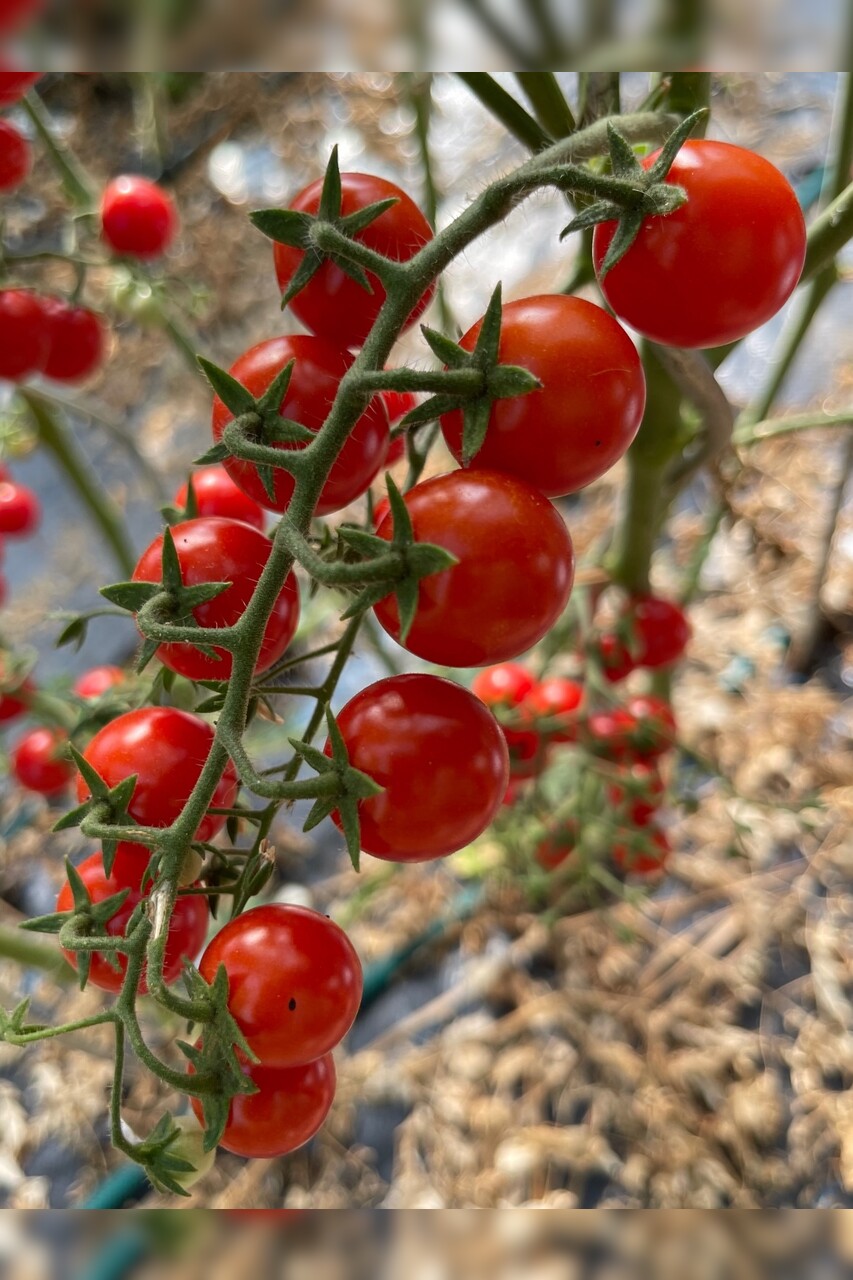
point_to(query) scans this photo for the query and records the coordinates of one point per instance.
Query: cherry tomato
(398, 404)
(20, 510)
(640, 790)
(655, 726)
(514, 575)
(396, 452)
(317, 372)
(130, 863)
(294, 981)
(23, 334)
(98, 681)
(527, 754)
(556, 699)
(39, 761)
(616, 661)
(166, 749)
(506, 685)
(211, 549)
(13, 704)
(556, 846)
(290, 1106)
(216, 494)
(14, 84)
(15, 14)
(16, 157)
(76, 341)
(588, 410)
(187, 927)
(642, 853)
(138, 217)
(660, 629)
(332, 304)
(719, 266)
(610, 733)
(441, 758)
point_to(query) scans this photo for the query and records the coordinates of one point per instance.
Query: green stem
(749, 432)
(548, 102)
(829, 233)
(78, 185)
(504, 107)
(24, 949)
(58, 440)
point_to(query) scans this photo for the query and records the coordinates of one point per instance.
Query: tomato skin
(16, 157)
(332, 304)
(23, 334)
(398, 404)
(719, 266)
(138, 217)
(12, 704)
(13, 15)
(39, 764)
(639, 791)
(661, 631)
(294, 981)
(14, 84)
(216, 494)
(317, 372)
(588, 410)
(166, 749)
(439, 754)
(557, 699)
(655, 726)
(20, 510)
(527, 753)
(76, 341)
(187, 928)
(290, 1106)
(506, 685)
(616, 661)
(211, 549)
(610, 733)
(643, 853)
(513, 579)
(98, 681)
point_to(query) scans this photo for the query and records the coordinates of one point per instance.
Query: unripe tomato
(294, 981)
(76, 341)
(332, 304)
(23, 334)
(317, 372)
(514, 573)
(719, 266)
(16, 157)
(138, 217)
(166, 749)
(216, 494)
(187, 927)
(98, 681)
(211, 549)
(289, 1107)
(588, 410)
(441, 758)
(40, 762)
(20, 510)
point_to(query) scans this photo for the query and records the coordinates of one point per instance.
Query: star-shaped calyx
(107, 805)
(294, 228)
(90, 920)
(175, 601)
(496, 382)
(639, 193)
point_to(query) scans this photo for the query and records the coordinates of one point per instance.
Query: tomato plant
(23, 334)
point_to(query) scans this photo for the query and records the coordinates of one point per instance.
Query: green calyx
(86, 920)
(317, 235)
(496, 381)
(637, 193)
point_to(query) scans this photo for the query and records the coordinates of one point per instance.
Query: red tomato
(380, 511)
(655, 726)
(658, 629)
(398, 404)
(642, 853)
(318, 369)
(130, 863)
(720, 265)
(76, 341)
(290, 1106)
(187, 928)
(12, 704)
(506, 685)
(16, 158)
(166, 749)
(211, 549)
(216, 494)
(515, 790)
(39, 761)
(640, 789)
(441, 758)
(557, 700)
(610, 733)
(396, 451)
(294, 981)
(556, 846)
(332, 304)
(20, 510)
(23, 334)
(527, 754)
(98, 681)
(138, 217)
(4, 589)
(514, 575)
(616, 661)
(14, 84)
(589, 407)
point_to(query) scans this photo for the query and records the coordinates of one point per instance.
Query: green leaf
(271, 401)
(622, 156)
(216, 453)
(475, 418)
(74, 633)
(286, 226)
(601, 211)
(286, 431)
(348, 812)
(313, 756)
(323, 806)
(172, 577)
(146, 653)
(626, 233)
(488, 339)
(267, 477)
(131, 595)
(407, 594)
(445, 349)
(353, 270)
(400, 517)
(191, 508)
(93, 780)
(231, 392)
(431, 409)
(330, 198)
(355, 222)
(673, 145)
(305, 272)
(366, 544)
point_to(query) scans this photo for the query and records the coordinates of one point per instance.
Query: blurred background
(686, 1048)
